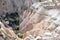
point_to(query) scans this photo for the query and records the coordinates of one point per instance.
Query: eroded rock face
(42, 17)
(9, 5)
(32, 17)
(12, 6)
(7, 33)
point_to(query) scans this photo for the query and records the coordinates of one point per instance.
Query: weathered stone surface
(41, 19)
(19, 6)
(32, 19)
(36, 20)
(38, 29)
(7, 33)
(1, 38)
(5, 6)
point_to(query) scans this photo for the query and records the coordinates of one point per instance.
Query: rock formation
(43, 17)
(15, 6)
(7, 33)
(40, 21)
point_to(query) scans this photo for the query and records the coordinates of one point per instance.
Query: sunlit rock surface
(40, 21)
(44, 22)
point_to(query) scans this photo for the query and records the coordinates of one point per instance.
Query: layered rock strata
(43, 17)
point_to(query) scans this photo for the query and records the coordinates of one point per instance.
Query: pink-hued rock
(8, 33)
(38, 29)
(1, 38)
(5, 6)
